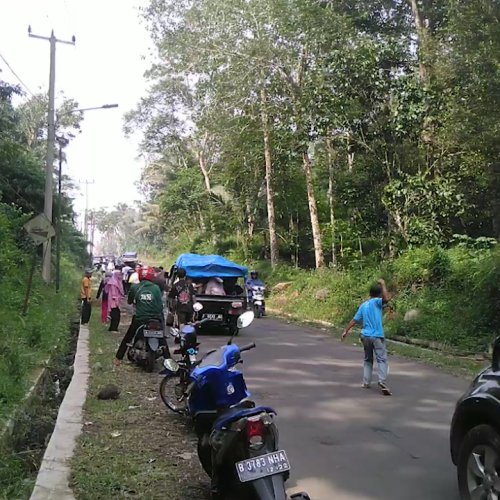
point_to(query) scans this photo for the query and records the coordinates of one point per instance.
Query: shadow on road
(346, 442)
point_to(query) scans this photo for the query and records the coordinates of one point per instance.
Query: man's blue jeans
(374, 345)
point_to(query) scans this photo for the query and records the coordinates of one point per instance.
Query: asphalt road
(345, 442)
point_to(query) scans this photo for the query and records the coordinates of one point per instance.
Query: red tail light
(255, 429)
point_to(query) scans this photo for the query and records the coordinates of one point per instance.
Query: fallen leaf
(116, 434)
(151, 460)
(185, 456)
(134, 407)
(151, 398)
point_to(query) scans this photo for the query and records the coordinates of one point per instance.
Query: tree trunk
(250, 219)
(273, 239)
(203, 226)
(331, 198)
(424, 66)
(495, 202)
(313, 211)
(422, 40)
(350, 153)
(203, 167)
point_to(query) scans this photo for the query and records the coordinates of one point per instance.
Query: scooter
(148, 344)
(258, 300)
(237, 440)
(187, 341)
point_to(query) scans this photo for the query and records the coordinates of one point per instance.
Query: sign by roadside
(39, 229)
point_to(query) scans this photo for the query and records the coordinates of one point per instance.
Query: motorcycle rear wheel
(171, 393)
(150, 361)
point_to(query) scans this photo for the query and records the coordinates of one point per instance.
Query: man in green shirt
(147, 298)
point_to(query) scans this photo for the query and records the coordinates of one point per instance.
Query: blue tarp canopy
(209, 266)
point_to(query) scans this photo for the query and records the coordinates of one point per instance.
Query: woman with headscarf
(104, 301)
(114, 289)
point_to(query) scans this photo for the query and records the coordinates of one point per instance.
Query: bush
(443, 285)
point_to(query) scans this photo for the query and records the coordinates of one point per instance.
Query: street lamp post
(63, 142)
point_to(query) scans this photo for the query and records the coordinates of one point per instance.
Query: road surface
(345, 442)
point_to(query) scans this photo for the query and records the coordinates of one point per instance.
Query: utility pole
(49, 165)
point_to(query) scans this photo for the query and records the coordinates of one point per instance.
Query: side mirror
(495, 362)
(171, 365)
(197, 307)
(245, 319)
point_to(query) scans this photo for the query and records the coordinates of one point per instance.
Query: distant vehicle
(258, 301)
(475, 435)
(129, 258)
(219, 310)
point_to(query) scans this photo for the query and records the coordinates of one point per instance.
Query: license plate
(262, 466)
(213, 317)
(258, 302)
(153, 334)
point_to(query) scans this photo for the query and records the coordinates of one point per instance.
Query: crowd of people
(146, 289)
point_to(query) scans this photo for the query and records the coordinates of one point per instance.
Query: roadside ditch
(25, 436)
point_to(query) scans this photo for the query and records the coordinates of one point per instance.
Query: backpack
(183, 294)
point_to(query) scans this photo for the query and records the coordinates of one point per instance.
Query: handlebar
(248, 347)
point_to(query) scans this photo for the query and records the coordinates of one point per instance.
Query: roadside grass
(428, 283)
(41, 334)
(454, 365)
(132, 446)
(28, 345)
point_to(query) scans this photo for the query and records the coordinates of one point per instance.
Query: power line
(16, 75)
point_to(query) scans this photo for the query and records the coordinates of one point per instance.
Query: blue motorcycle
(237, 440)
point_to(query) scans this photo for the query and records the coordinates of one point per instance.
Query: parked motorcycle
(258, 300)
(237, 440)
(187, 341)
(149, 344)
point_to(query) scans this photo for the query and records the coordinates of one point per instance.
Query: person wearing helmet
(147, 298)
(254, 280)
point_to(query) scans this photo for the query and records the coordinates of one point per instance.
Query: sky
(106, 66)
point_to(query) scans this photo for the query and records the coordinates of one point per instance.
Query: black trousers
(86, 311)
(115, 319)
(127, 338)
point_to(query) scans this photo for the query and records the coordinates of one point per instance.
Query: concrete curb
(52, 482)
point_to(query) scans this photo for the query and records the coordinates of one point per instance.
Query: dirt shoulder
(132, 446)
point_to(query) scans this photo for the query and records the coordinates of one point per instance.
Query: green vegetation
(318, 132)
(41, 337)
(131, 446)
(356, 135)
(453, 294)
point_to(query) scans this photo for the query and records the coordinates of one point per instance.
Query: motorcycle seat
(237, 412)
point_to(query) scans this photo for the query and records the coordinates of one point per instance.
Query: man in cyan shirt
(372, 335)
